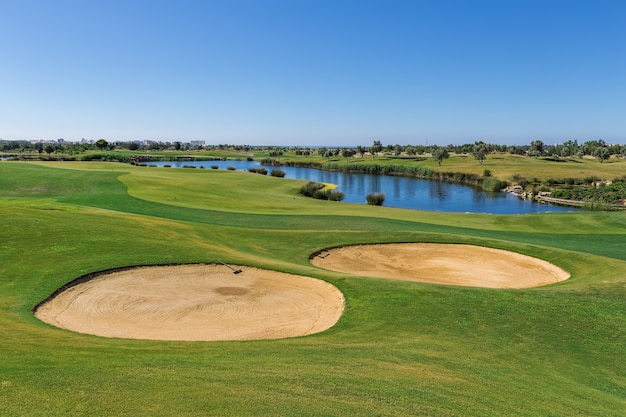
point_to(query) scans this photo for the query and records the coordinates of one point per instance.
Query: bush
(231, 168)
(521, 180)
(214, 167)
(335, 195)
(315, 190)
(310, 188)
(375, 199)
(493, 184)
(277, 173)
(261, 171)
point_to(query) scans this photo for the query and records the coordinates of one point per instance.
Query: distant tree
(589, 147)
(275, 154)
(133, 146)
(536, 148)
(439, 154)
(348, 153)
(602, 153)
(479, 152)
(101, 144)
(177, 145)
(569, 148)
(397, 150)
(49, 149)
(376, 148)
(39, 147)
(515, 150)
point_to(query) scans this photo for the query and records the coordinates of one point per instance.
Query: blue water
(402, 192)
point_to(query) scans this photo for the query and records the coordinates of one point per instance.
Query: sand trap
(196, 302)
(465, 265)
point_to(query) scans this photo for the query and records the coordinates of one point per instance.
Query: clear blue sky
(314, 72)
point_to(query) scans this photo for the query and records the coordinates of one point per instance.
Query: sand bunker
(196, 302)
(465, 265)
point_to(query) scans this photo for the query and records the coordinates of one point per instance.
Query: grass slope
(400, 349)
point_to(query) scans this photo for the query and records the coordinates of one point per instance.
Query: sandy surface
(196, 302)
(464, 265)
(210, 302)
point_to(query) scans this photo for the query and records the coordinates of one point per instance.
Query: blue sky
(307, 72)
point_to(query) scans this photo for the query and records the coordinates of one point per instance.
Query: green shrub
(591, 179)
(493, 184)
(277, 173)
(310, 188)
(375, 199)
(335, 195)
(315, 190)
(261, 171)
(520, 180)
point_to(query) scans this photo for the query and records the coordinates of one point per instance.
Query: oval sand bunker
(450, 264)
(196, 303)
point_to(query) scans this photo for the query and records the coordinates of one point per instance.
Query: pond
(401, 192)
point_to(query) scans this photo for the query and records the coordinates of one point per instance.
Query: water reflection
(400, 192)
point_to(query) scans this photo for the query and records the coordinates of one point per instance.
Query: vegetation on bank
(321, 192)
(400, 348)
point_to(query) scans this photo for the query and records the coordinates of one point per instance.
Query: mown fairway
(400, 349)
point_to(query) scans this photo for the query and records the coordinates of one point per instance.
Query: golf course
(226, 293)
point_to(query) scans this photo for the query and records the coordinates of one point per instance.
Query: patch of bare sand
(196, 303)
(450, 264)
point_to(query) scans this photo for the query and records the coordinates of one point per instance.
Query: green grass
(400, 348)
(502, 166)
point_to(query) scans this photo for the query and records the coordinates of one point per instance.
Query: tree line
(479, 149)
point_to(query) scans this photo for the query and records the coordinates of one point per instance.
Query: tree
(439, 154)
(602, 153)
(479, 151)
(569, 148)
(360, 150)
(376, 148)
(101, 144)
(49, 149)
(536, 148)
(275, 154)
(348, 153)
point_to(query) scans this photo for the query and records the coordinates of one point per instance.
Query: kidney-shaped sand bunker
(450, 264)
(196, 303)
